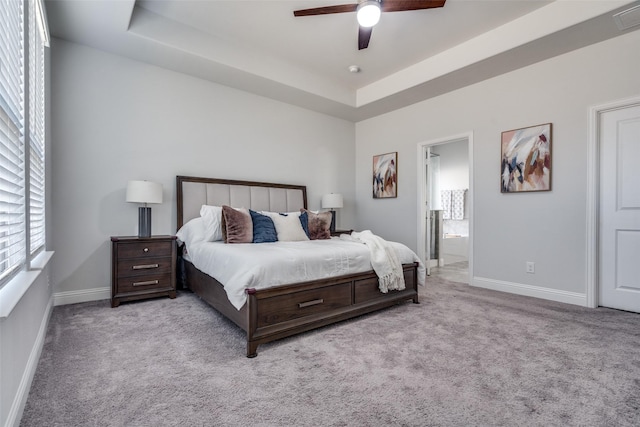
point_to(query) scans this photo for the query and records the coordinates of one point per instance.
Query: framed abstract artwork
(526, 159)
(385, 175)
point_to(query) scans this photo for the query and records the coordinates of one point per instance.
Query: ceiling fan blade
(341, 8)
(364, 34)
(400, 5)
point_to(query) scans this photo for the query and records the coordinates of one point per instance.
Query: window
(37, 42)
(23, 37)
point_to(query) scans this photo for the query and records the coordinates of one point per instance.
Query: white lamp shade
(368, 13)
(332, 201)
(144, 192)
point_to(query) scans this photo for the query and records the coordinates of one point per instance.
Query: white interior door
(619, 213)
(431, 197)
(427, 218)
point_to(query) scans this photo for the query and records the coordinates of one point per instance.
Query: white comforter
(262, 265)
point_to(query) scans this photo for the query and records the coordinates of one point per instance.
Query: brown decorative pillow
(237, 226)
(318, 224)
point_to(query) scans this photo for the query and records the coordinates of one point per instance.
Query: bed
(285, 309)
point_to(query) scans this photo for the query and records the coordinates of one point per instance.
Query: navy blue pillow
(304, 220)
(263, 229)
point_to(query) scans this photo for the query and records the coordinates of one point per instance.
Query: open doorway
(445, 231)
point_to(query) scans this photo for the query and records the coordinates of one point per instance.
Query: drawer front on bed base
(282, 308)
(367, 289)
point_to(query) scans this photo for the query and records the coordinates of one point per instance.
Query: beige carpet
(471, 357)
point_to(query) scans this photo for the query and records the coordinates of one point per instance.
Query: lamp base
(144, 222)
(332, 227)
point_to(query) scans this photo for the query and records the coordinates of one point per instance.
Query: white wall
(454, 165)
(21, 339)
(114, 119)
(509, 229)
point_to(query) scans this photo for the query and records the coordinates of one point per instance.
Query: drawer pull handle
(145, 266)
(310, 303)
(145, 250)
(147, 282)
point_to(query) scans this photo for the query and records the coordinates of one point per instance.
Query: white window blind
(37, 41)
(12, 167)
(23, 36)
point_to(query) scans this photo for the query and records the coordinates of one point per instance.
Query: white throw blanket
(383, 260)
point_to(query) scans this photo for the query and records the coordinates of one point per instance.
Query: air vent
(628, 18)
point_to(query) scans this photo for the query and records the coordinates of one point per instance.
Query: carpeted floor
(470, 357)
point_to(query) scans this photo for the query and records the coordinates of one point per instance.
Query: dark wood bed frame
(285, 310)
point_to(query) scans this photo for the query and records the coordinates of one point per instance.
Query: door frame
(593, 192)
(422, 188)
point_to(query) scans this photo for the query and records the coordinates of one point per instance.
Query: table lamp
(144, 192)
(332, 201)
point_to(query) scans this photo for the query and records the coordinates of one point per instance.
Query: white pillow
(212, 217)
(288, 226)
(193, 231)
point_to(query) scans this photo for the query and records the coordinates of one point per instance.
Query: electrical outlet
(531, 267)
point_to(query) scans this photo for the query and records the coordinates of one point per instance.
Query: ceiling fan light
(368, 13)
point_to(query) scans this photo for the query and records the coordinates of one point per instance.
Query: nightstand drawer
(151, 282)
(143, 266)
(144, 249)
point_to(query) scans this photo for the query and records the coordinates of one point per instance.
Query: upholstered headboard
(194, 192)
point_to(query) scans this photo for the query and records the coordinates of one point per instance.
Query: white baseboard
(15, 413)
(74, 297)
(531, 291)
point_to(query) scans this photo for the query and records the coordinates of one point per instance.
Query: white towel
(457, 204)
(383, 260)
(445, 195)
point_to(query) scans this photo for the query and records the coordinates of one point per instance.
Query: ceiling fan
(368, 13)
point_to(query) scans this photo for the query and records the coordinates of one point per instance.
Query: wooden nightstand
(142, 267)
(339, 232)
